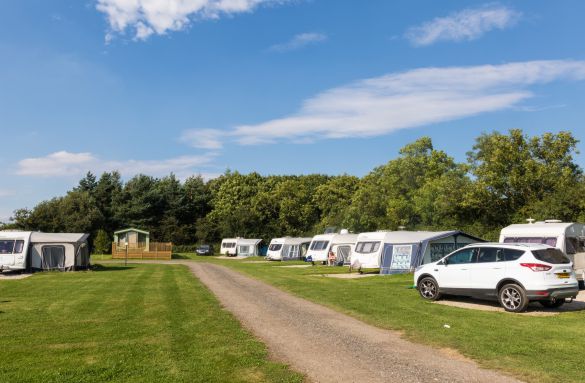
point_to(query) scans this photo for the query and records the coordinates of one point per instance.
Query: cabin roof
(131, 229)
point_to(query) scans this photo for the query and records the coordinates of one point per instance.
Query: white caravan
(25, 250)
(403, 250)
(566, 236)
(341, 244)
(288, 248)
(229, 246)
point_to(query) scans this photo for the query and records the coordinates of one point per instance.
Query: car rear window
(554, 256)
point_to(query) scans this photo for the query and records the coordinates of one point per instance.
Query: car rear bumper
(556, 293)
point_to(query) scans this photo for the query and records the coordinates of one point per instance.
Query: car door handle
(463, 269)
(497, 268)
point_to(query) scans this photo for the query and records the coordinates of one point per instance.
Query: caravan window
(18, 247)
(6, 246)
(367, 247)
(319, 245)
(275, 247)
(551, 241)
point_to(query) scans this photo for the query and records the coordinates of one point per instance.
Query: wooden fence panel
(156, 250)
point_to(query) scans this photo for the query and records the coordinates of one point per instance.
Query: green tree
(102, 243)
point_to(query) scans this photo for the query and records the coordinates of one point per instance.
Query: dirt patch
(328, 346)
(534, 309)
(14, 275)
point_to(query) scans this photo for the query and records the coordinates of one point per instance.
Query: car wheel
(553, 305)
(428, 288)
(513, 298)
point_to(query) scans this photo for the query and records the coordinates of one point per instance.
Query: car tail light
(536, 266)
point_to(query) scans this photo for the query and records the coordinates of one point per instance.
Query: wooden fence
(155, 250)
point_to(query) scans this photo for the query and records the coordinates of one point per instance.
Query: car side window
(462, 256)
(488, 254)
(512, 254)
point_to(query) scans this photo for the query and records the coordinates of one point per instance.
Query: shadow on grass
(98, 267)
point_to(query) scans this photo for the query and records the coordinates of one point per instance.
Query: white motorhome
(568, 237)
(400, 251)
(288, 248)
(25, 250)
(341, 244)
(229, 246)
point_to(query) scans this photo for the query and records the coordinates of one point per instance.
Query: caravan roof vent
(553, 221)
(530, 220)
(343, 231)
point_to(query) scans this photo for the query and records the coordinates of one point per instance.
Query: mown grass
(141, 323)
(533, 348)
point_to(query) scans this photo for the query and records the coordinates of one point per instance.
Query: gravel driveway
(329, 346)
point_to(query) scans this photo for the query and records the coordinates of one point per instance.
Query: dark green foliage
(507, 178)
(102, 243)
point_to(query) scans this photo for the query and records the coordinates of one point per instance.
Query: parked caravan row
(25, 250)
(243, 247)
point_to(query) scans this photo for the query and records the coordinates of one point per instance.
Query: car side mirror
(443, 262)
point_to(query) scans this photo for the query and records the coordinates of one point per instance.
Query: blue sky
(274, 86)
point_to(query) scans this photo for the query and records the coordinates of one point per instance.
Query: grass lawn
(533, 348)
(144, 323)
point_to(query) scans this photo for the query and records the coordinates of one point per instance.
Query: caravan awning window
(574, 246)
(319, 245)
(367, 247)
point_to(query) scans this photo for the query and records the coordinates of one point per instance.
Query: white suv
(515, 274)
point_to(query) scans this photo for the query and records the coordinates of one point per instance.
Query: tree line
(506, 179)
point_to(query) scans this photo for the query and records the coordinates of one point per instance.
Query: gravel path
(329, 346)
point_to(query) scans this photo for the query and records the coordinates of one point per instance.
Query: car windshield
(204, 247)
(275, 247)
(554, 256)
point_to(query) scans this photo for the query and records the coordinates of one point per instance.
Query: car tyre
(513, 298)
(553, 305)
(428, 288)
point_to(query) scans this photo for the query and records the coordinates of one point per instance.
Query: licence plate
(563, 275)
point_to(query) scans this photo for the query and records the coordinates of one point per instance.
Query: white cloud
(147, 17)
(203, 138)
(468, 24)
(299, 41)
(382, 105)
(76, 164)
(6, 193)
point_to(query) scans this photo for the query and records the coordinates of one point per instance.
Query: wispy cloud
(6, 193)
(299, 41)
(147, 17)
(203, 138)
(65, 163)
(465, 25)
(382, 105)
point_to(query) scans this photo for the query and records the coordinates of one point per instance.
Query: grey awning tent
(60, 251)
(405, 250)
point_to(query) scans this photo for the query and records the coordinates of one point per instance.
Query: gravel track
(328, 346)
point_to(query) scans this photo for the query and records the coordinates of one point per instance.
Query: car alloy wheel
(513, 298)
(428, 289)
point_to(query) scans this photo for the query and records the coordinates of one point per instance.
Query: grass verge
(141, 323)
